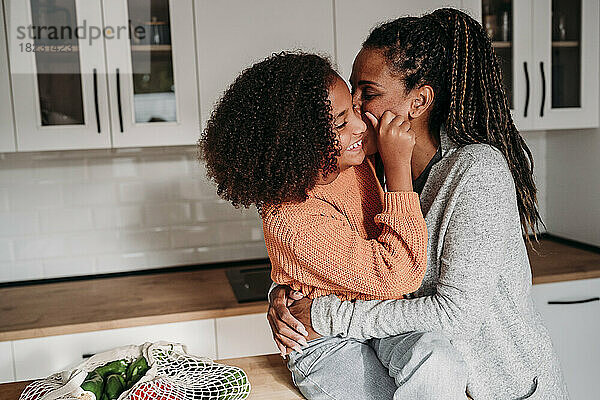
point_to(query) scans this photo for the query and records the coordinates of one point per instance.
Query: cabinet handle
(119, 107)
(575, 301)
(527, 92)
(543, 88)
(96, 100)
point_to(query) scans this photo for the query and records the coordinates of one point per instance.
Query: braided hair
(451, 52)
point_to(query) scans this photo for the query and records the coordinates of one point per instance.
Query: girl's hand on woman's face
(288, 332)
(395, 139)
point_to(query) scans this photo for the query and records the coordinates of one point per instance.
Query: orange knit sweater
(349, 238)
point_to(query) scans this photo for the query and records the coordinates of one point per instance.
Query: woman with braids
(287, 138)
(474, 174)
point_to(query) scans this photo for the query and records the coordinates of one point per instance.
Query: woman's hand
(288, 332)
(300, 309)
(396, 142)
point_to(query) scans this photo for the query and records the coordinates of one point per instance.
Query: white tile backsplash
(69, 213)
(167, 214)
(65, 220)
(146, 239)
(18, 223)
(69, 266)
(84, 194)
(118, 217)
(39, 247)
(6, 250)
(31, 197)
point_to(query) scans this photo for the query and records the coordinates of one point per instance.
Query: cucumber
(94, 383)
(115, 367)
(115, 384)
(136, 370)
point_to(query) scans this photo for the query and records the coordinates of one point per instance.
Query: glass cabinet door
(566, 54)
(153, 75)
(507, 23)
(58, 74)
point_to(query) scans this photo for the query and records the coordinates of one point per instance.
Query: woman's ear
(422, 101)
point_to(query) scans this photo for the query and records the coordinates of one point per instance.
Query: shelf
(501, 45)
(565, 44)
(151, 47)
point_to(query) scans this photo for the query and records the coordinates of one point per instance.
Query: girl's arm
(325, 252)
(484, 219)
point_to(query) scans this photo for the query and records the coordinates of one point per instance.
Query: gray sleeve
(482, 220)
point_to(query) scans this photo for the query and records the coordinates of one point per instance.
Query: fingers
(387, 118)
(295, 295)
(285, 316)
(372, 119)
(285, 336)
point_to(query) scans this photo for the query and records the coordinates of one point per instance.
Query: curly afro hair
(271, 134)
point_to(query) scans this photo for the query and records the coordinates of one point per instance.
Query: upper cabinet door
(58, 76)
(233, 34)
(152, 73)
(7, 129)
(566, 60)
(507, 23)
(355, 19)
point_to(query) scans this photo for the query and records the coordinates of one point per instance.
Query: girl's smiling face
(348, 125)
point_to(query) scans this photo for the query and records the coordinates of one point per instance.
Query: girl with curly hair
(479, 198)
(287, 138)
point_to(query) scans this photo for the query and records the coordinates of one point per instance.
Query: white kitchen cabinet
(58, 85)
(7, 129)
(233, 34)
(40, 357)
(76, 92)
(244, 336)
(355, 19)
(7, 370)
(155, 88)
(567, 63)
(548, 50)
(574, 329)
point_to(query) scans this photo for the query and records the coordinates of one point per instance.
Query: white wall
(573, 169)
(67, 213)
(574, 185)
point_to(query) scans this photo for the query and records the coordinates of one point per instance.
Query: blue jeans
(414, 365)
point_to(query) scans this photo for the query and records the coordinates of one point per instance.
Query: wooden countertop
(268, 375)
(109, 303)
(119, 302)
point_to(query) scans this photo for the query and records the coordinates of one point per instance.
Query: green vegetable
(94, 383)
(116, 367)
(136, 370)
(115, 384)
(104, 397)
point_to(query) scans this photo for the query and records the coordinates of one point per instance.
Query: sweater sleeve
(325, 252)
(484, 217)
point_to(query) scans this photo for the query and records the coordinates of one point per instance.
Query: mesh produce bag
(173, 375)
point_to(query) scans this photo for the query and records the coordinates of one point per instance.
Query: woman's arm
(325, 252)
(484, 217)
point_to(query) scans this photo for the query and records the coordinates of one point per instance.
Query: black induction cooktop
(250, 282)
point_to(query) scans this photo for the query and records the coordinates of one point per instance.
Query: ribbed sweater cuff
(402, 203)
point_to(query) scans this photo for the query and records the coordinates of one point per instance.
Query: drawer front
(41, 357)
(244, 336)
(575, 331)
(7, 372)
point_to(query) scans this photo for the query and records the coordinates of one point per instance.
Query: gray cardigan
(477, 286)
